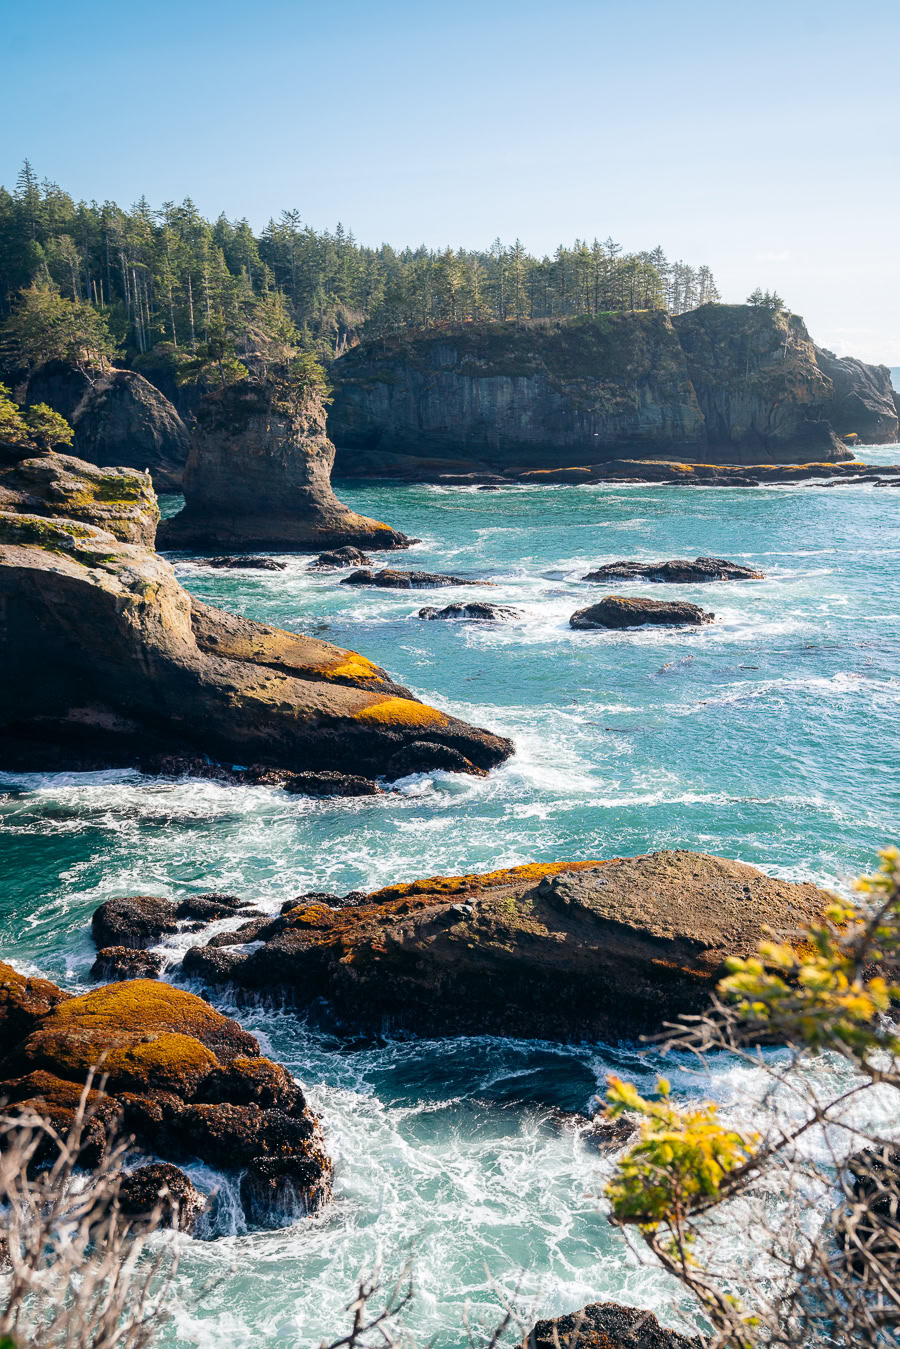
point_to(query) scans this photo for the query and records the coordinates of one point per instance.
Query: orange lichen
(353, 666)
(452, 885)
(127, 1059)
(401, 712)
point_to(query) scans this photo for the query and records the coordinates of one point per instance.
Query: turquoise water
(770, 736)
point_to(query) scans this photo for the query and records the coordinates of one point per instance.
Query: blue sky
(762, 138)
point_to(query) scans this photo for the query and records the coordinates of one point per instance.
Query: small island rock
(475, 610)
(676, 572)
(616, 611)
(390, 579)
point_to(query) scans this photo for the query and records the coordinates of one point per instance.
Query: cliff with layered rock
(727, 384)
(259, 476)
(105, 659)
(120, 500)
(118, 418)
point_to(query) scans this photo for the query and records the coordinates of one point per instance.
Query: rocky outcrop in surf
(105, 659)
(182, 1079)
(259, 476)
(118, 418)
(390, 579)
(676, 572)
(120, 500)
(552, 950)
(474, 611)
(722, 384)
(620, 611)
(610, 1326)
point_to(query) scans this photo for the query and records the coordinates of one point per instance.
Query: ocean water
(770, 736)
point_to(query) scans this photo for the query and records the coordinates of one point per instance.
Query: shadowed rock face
(105, 658)
(259, 476)
(119, 419)
(863, 401)
(678, 571)
(617, 611)
(726, 384)
(551, 950)
(606, 1325)
(118, 499)
(185, 1080)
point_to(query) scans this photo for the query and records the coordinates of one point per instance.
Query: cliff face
(763, 396)
(119, 419)
(725, 383)
(116, 499)
(864, 400)
(259, 476)
(516, 394)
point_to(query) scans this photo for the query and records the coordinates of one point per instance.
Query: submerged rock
(120, 500)
(606, 1325)
(118, 418)
(184, 1080)
(617, 611)
(259, 476)
(243, 563)
(343, 557)
(106, 659)
(555, 950)
(389, 579)
(115, 963)
(678, 571)
(475, 610)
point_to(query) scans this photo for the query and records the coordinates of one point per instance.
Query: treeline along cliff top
(163, 275)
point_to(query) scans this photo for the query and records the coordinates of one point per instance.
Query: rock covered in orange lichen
(599, 949)
(183, 1079)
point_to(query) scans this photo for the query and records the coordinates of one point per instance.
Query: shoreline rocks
(259, 476)
(344, 557)
(184, 1080)
(603, 950)
(242, 563)
(676, 572)
(390, 579)
(106, 660)
(618, 611)
(120, 500)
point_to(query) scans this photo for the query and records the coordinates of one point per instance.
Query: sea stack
(259, 476)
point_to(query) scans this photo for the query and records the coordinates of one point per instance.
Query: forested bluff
(431, 363)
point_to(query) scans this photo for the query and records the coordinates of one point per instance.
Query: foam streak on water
(770, 736)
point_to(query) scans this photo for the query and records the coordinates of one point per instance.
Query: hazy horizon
(762, 145)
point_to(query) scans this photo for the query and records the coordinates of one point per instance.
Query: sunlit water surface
(770, 736)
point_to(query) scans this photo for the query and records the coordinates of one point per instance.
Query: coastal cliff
(735, 384)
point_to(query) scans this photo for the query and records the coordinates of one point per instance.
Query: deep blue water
(771, 736)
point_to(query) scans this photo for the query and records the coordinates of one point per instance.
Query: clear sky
(762, 138)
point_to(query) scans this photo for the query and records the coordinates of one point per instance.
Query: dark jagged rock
(602, 950)
(485, 613)
(617, 611)
(210, 908)
(331, 784)
(120, 500)
(606, 1325)
(181, 1078)
(259, 476)
(119, 418)
(863, 399)
(115, 963)
(727, 384)
(676, 572)
(423, 757)
(243, 563)
(162, 1192)
(389, 579)
(134, 921)
(106, 659)
(343, 557)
